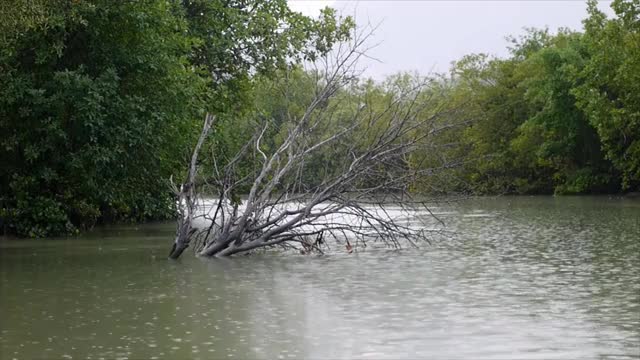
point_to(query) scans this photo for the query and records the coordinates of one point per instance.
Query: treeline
(101, 102)
(559, 115)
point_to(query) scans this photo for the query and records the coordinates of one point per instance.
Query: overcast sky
(427, 35)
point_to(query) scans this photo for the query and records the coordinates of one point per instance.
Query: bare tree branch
(373, 147)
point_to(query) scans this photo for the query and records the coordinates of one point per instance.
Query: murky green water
(528, 278)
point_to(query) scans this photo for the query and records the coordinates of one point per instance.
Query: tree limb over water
(377, 152)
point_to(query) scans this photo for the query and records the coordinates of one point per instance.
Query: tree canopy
(609, 88)
(559, 115)
(100, 100)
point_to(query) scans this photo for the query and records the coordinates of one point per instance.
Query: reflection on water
(529, 278)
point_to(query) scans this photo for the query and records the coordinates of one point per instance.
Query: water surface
(524, 278)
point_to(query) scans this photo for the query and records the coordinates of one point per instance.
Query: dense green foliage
(100, 100)
(90, 101)
(560, 115)
(610, 90)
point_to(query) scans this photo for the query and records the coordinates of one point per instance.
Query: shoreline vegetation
(101, 103)
(632, 196)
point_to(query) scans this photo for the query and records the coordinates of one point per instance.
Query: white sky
(426, 35)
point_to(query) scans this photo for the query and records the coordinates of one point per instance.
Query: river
(521, 278)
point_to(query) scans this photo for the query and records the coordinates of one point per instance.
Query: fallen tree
(373, 145)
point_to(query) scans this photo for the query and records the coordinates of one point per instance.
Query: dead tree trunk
(187, 196)
(374, 146)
